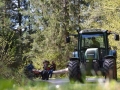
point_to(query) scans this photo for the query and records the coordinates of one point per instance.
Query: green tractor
(93, 57)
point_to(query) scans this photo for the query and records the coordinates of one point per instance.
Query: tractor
(90, 60)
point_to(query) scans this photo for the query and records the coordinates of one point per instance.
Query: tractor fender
(109, 56)
(74, 58)
(113, 53)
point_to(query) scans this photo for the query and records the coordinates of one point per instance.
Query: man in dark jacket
(45, 71)
(30, 67)
(28, 70)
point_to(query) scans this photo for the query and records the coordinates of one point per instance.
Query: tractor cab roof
(92, 31)
(96, 31)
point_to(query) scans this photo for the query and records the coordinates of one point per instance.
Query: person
(52, 68)
(75, 53)
(30, 67)
(95, 43)
(45, 71)
(28, 70)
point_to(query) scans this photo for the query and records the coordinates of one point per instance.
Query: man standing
(45, 71)
(29, 69)
(52, 68)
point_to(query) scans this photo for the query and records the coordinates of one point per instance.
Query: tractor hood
(92, 54)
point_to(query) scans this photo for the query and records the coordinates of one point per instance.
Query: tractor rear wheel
(110, 68)
(75, 72)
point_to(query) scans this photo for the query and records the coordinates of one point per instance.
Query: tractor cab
(94, 43)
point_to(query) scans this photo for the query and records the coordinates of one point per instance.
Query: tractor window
(87, 40)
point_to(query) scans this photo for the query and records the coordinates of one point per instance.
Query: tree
(39, 28)
(55, 20)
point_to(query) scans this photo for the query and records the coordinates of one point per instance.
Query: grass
(42, 85)
(113, 85)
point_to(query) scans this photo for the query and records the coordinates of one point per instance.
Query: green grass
(42, 85)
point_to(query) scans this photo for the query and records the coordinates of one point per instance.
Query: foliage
(50, 42)
(45, 29)
(10, 48)
(52, 18)
(6, 84)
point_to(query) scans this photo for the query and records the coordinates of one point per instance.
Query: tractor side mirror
(67, 39)
(116, 37)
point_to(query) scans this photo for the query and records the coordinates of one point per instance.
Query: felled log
(61, 71)
(54, 72)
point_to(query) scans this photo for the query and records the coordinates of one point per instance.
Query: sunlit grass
(113, 85)
(43, 85)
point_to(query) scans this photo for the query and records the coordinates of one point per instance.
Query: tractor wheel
(74, 71)
(110, 69)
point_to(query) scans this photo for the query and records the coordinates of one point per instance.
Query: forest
(36, 30)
